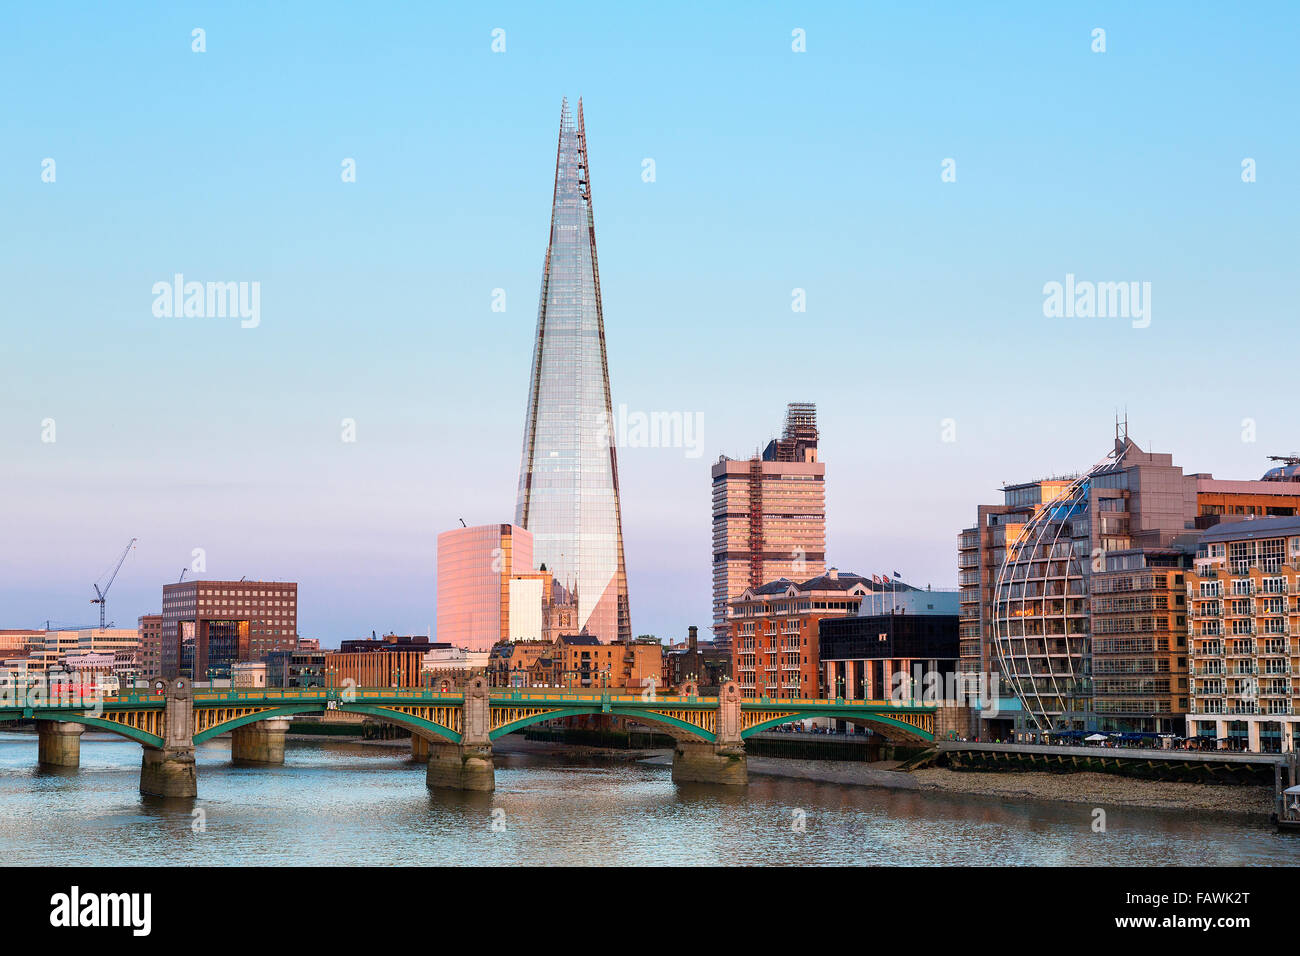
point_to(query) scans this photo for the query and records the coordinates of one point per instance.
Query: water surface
(339, 803)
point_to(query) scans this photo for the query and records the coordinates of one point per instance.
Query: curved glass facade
(1040, 608)
(568, 475)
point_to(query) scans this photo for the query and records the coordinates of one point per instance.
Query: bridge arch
(117, 728)
(901, 728)
(425, 728)
(674, 726)
(273, 713)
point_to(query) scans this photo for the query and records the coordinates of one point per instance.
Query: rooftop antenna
(463, 524)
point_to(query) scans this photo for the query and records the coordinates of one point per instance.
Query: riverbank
(1095, 789)
(1101, 789)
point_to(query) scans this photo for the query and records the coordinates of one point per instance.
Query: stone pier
(466, 765)
(59, 743)
(698, 761)
(168, 771)
(722, 760)
(460, 767)
(419, 748)
(259, 743)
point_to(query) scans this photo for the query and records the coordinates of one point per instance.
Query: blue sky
(775, 170)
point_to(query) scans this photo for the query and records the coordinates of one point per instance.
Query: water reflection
(339, 802)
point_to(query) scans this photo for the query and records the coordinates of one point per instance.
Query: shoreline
(1098, 789)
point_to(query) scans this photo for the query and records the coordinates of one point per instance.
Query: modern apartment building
(1077, 655)
(775, 630)
(208, 625)
(1140, 677)
(1244, 629)
(769, 515)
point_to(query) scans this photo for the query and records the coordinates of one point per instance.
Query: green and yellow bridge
(457, 727)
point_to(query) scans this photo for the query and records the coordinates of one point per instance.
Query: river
(339, 803)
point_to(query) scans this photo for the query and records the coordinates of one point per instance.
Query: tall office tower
(769, 514)
(568, 476)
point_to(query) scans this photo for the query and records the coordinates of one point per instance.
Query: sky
(920, 172)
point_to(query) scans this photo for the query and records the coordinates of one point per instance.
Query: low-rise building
(297, 668)
(583, 662)
(891, 647)
(704, 663)
(248, 674)
(454, 664)
(522, 664)
(390, 661)
(773, 629)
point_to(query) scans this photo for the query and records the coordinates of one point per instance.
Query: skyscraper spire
(568, 475)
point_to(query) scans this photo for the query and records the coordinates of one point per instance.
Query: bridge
(456, 726)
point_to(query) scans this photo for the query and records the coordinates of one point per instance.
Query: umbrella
(1095, 737)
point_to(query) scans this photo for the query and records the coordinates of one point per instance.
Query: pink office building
(476, 568)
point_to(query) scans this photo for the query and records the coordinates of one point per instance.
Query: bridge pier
(59, 743)
(721, 760)
(466, 765)
(259, 743)
(460, 767)
(168, 771)
(699, 761)
(419, 748)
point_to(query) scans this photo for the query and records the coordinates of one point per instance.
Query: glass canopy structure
(568, 475)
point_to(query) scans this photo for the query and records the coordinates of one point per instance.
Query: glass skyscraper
(568, 476)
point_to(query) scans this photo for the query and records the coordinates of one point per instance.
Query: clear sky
(774, 170)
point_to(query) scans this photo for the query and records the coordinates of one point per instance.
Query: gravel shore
(1097, 789)
(1100, 789)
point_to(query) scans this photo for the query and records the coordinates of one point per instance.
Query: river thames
(339, 803)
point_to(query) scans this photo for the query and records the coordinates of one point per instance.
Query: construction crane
(101, 595)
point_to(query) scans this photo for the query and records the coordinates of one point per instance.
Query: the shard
(568, 476)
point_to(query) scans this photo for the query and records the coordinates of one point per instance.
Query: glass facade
(568, 475)
(474, 569)
(1040, 610)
